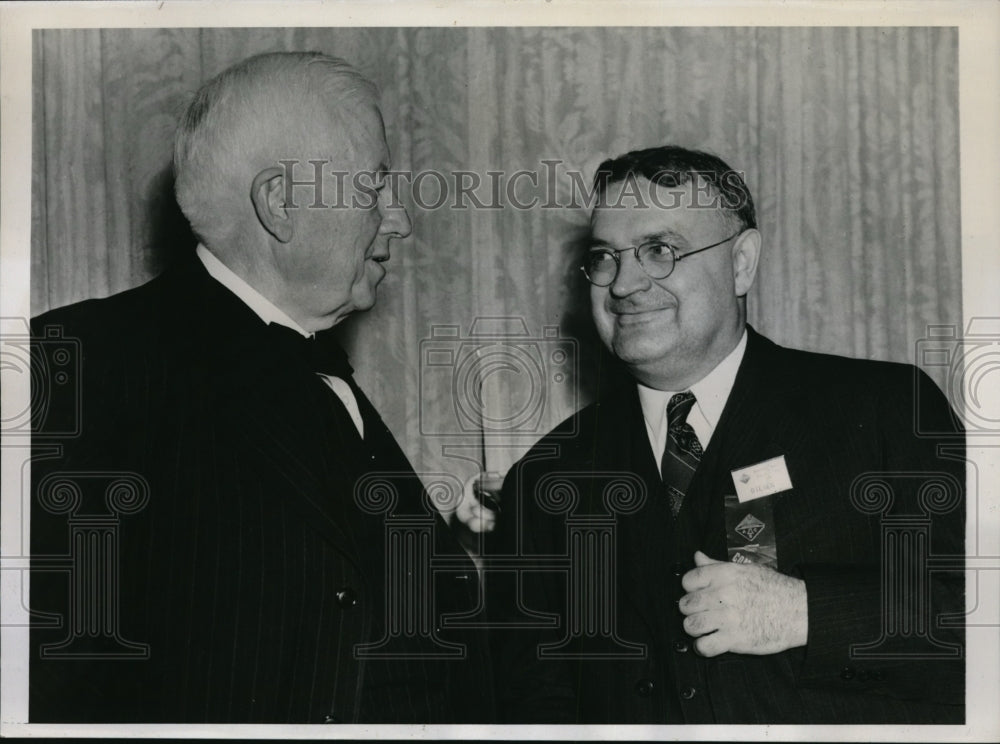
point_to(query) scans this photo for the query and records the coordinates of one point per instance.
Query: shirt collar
(263, 307)
(711, 392)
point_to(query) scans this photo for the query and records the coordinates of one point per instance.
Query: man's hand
(471, 520)
(743, 608)
(471, 513)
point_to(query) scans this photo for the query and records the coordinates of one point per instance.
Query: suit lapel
(282, 410)
(758, 423)
(644, 537)
(289, 425)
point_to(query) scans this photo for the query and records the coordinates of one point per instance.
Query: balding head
(266, 108)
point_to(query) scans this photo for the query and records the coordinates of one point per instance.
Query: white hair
(239, 122)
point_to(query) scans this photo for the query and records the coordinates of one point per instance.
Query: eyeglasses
(656, 258)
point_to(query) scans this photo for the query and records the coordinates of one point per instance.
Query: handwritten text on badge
(762, 479)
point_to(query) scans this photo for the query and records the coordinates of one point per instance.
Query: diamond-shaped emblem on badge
(750, 527)
(744, 478)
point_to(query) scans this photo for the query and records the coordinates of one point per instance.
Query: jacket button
(680, 647)
(878, 676)
(847, 673)
(644, 687)
(689, 693)
(678, 569)
(346, 597)
(863, 675)
(330, 718)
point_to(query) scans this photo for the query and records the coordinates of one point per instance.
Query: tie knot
(678, 408)
(321, 353)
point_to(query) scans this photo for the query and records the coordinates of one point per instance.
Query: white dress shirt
(269, 313)
(711, 393)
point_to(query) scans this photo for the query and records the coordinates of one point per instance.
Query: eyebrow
(665, 236)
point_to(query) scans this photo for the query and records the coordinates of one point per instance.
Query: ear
(746, 253)
(268, 196)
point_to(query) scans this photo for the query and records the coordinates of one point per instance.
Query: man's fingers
(481, 519)
(463, 512)
(699, 601)
(471, 513)
(475, 516)
(697, 578)
(701, 623)
(704, 573)
(713, 644)
(487, 520)
(700, 559)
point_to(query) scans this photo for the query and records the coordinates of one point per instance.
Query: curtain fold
(848, 138)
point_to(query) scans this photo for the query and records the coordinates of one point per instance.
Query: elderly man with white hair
(251, 580)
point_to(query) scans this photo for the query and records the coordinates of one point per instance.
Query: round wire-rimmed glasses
(655, 257)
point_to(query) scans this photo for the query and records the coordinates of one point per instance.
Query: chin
(364, 299)
(644, 343)
(639, 354)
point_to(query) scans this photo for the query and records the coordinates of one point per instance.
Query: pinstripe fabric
(235, 572)
(682, 452)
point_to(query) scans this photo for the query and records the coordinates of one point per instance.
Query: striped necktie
(682, 453)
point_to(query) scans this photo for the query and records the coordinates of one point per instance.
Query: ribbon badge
(750, 527)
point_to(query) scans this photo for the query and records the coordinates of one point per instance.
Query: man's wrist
(800, 618)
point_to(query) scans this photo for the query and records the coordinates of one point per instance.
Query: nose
(395, 220)
(631, 276)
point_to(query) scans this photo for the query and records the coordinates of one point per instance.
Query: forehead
(635, 209)
(355, 130)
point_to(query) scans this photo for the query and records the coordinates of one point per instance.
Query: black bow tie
(321, 353)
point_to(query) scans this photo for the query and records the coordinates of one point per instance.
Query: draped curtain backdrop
(848, 139)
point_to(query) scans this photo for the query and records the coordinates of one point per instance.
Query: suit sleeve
(73, 420)
(894, 626)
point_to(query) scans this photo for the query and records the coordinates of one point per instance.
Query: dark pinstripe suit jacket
(250, 573)
(834, 420)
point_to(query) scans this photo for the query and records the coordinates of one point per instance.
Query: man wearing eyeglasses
(726, 561)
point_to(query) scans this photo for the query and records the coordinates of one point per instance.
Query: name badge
(762, 479)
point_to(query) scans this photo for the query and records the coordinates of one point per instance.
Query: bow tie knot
(321, 352)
